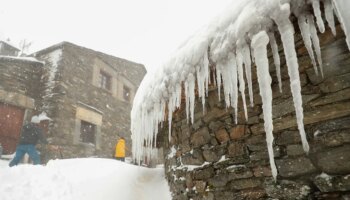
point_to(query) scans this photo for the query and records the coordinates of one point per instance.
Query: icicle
(191, 92)
(343, 14)
(276, 58)
(206, 72)
(248, 70)
(286, 30)
(328, 10)
(218, 80)
(187, 97)
(227, 83)
(317, 12)
(178, 95)
(233, 73)
(171, 108)
(259, 43)
(241, 81)
(306, 35)
(201, 83)
(315, 41)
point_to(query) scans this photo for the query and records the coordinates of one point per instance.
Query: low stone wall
(214, 158)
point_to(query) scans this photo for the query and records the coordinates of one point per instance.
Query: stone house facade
(88, 96)
(214, 158)
(20, 86)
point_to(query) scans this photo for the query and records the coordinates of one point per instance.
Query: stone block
(295, 150)
(201, 137)
(216, 125)
(222, 136)
(250, 194)
(334, 161)
(197, 124)
(294, 167)
(224, 195)
(331, 69)
(331, 98)
(203, 174)
(326, 183)
(287, 190)
(200, 186)
(237, 149)
(237, 132)
(214, 114)
(335, 84)
(210, 156)
(219, 180)
(288, 137)
(246, 173)
(241, 184)
(286, 106)
(190, 159)
(262, 171)
(189, 180)
(334, 125)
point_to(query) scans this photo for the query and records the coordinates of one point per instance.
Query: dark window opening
(126, 93)
(87, 132)
(105, 80)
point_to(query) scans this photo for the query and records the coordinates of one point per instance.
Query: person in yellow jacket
(120, 149)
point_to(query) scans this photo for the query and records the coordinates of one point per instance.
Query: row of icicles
(232, 71)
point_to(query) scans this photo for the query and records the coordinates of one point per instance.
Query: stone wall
(20, 82)
(214, 158)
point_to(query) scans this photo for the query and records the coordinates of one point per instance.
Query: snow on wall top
(24, 59)
(235, 39)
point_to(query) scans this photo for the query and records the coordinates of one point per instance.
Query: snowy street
(87, 178)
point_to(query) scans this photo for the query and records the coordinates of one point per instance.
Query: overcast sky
(144, 31)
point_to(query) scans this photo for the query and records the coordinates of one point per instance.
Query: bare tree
(24, 46)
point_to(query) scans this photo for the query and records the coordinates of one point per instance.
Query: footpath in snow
(85, 178)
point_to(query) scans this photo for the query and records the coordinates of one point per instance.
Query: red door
(11, 121)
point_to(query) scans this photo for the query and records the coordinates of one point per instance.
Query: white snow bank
(88, 179)
(227, 42)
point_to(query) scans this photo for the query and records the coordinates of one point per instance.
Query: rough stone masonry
(218, 159)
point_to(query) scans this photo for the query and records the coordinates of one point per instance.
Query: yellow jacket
(120, 149)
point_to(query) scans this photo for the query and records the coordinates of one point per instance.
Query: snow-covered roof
(9, 44)
(235, 39)
(23, 59)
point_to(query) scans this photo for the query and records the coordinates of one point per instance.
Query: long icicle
(286, 30)
(315, 41)
(241, 81)
(259, 43)
(248, 70)
(276, 59)
(328, 11)
(317, 11)
(232, 63)
(306, 35)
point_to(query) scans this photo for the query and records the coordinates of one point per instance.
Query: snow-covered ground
(85, 179)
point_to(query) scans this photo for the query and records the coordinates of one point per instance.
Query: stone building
(7, 49)
(216, 158)
(87, 94)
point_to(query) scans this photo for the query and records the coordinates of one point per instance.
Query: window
(126, 93)
(87, 132)
(105, 80)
